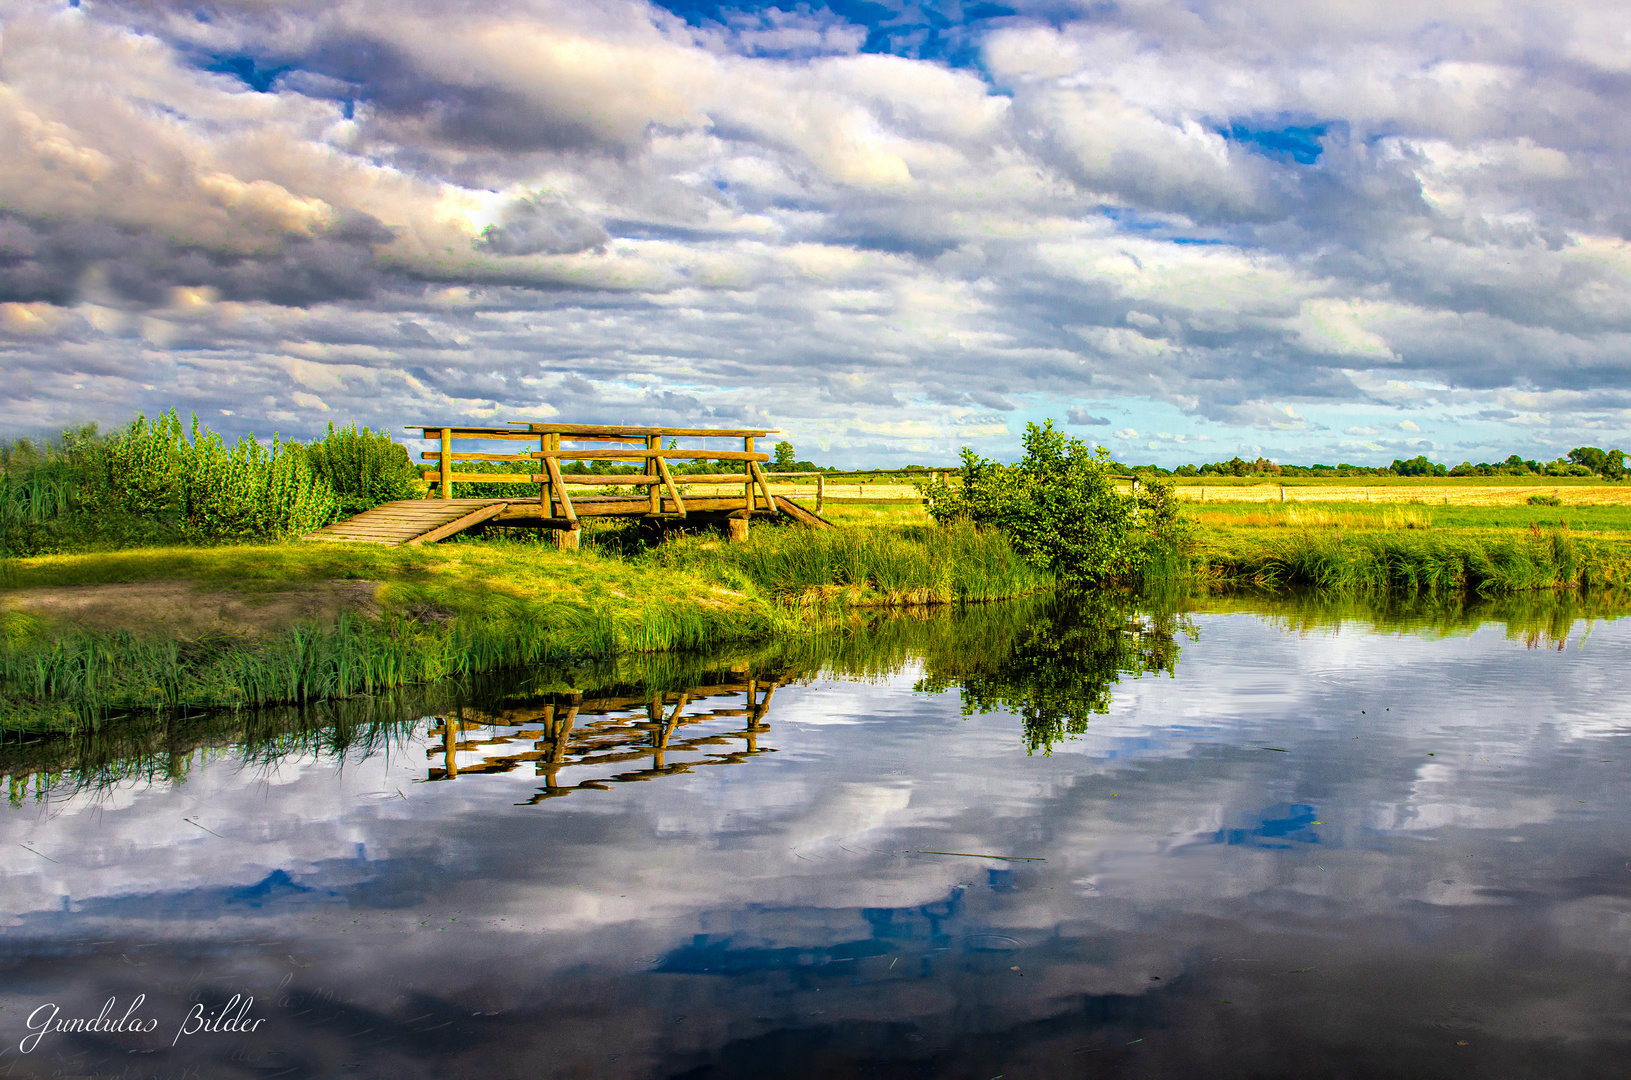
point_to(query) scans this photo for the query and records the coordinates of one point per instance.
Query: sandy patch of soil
(189, 610)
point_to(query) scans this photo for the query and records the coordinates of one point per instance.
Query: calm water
(1261, 846)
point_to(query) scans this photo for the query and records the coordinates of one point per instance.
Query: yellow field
(1486, 493)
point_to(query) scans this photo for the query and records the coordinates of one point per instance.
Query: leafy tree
(1589, 456)
(1418, 466)
(1614, 465)
(783, 459)
(1059, 505)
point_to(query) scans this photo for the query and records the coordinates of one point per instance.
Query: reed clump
(910, 565)
(1413, 562)
(85, 679)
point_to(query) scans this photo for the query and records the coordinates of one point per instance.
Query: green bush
(147, 464)
(249, 491)
(364, 468)
(1545, 500)
(1059, 506)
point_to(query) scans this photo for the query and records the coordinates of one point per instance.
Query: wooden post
(653, 442)
(821, 490)
(747, 486)
(447, 464)
(567, 539)
(450, 735)
(1282, 493)
(736, 529)
(545, 500)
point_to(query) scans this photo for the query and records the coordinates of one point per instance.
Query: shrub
(365, 468)
(1545, 500)
(1059, 506)
(147, 464)
(250, 491)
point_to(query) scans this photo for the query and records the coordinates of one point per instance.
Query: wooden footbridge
(732, 498)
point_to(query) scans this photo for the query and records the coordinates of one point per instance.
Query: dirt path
(188, 610)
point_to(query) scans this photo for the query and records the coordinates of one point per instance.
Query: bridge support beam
(566, 539)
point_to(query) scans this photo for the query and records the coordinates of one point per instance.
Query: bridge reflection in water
(599, 734)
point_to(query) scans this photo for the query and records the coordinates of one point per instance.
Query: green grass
(911, 565)
(1611, 518)
(1408, 561)
(452, 610)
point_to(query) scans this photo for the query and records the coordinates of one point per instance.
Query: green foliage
(1544, 500)
(863, 566)
(148, 463)
(364, 468)
(150, 482)
(1059, 506)
(1410, 562)
(784, 460)
(246, 491)
(1418, 466)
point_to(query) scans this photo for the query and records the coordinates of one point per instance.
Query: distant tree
(783, 460)
(1417, 466)
(1614, 465)
(1186, 470)
(1589, 456)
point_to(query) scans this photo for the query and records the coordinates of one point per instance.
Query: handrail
(657, 479)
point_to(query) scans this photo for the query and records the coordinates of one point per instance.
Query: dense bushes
(364, 468)
(161, 480)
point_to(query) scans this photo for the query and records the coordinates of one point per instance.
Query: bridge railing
(662, 492)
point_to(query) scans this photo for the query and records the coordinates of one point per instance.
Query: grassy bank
(1407, 560)
(94, 637)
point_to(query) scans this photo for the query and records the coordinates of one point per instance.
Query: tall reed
(876, 566)
(1409, 562)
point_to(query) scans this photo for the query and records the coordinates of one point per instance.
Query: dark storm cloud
(56, 261)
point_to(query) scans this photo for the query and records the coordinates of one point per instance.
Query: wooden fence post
(447, 464)
(654, 493)
(821, 491)
(747, 473)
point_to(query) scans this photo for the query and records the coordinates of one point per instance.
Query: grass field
(1436, 491)
(1584, 518)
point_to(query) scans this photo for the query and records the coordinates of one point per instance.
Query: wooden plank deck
(424, 521)
(412, 521)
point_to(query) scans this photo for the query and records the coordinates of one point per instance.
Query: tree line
(1581, 461)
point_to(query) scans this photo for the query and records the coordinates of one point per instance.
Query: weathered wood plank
(673, 492)
(559, 487)
(801, 515)
(567, 431)
(491, 478)
(459, 524)
(637, 455)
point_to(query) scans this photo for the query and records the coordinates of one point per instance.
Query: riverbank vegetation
(158, 577)
(164, 481)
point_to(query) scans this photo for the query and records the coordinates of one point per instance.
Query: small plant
(1545, 500)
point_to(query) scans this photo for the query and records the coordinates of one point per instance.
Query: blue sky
(1315, 232)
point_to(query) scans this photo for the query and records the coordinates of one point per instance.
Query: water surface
(1242, 841)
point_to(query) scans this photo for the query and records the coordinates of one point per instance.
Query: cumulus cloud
(835, 224)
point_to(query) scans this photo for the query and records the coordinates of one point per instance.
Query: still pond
(1250, 838)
